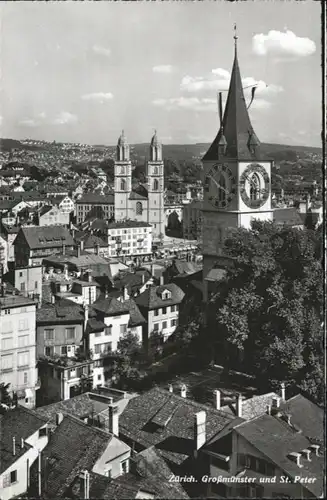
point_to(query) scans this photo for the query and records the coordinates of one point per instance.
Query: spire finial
(235, 36)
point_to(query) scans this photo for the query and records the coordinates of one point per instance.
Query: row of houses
(163, 444)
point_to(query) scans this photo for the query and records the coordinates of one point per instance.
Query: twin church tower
(146, 202)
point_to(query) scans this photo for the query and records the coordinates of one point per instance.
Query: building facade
(145, 204)
(126, 238)
(192, 220)
(18, 347)
(101, 205)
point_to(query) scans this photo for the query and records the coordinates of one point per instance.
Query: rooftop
(9, 301)
(96, 199)
(166, 420)
(127, 223)
(151, 298)
(62, 311)
(46, 237)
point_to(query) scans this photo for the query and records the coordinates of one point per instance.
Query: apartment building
(18, 347)
(65, 203)
(160, 307)
(101, 205)
(33, 244)
(49, 215)
(127, 238)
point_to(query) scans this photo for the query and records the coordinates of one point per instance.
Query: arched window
(155, 170)
(122, 170)
(123, 185)
(155, 185)
(139, 208)
(254, 187)
(222, 188)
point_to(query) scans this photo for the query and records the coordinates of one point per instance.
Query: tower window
(123, 185)
(155, 171)
(122, 170)
(139, 208)
(155, 185)
(255, 187)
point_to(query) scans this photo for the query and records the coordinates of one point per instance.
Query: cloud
(202, 84)
(65, 118)
(103, 51)
(163, 68)
(187, 103)
(283, 44)
(29, 122)
(100, 97)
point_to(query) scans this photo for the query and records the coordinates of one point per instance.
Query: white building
(126, 238)
(18, 347)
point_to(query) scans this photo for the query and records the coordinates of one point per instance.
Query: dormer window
(166, 295)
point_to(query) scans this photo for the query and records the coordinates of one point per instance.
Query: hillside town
(161, 316)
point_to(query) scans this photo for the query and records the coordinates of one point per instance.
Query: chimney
(276, 402)
(66, 271)
(86, 314)
(200, 429)
(82, 244)
(295, 457)
(306, 454)
(97, 249)
(14, 446)
(282, 391)
(63, 249)
(59, 418)
(162, 281)
(315, 448)
(152, 269)
(268, 409)
(217, 395)
(183, 391)
(78, 250)
(143, 279)
(85, 477)
(113, 420)
(239, 405)
(125, 293)
(53, 299)
(39, 473)
(89, 276)
(22, 443)
(170, 388)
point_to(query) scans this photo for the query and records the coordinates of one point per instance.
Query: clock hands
(219, 186)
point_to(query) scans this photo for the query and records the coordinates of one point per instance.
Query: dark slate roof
(288, 216)
(128, 223)
(149, 473)
(45, 209)
(90, 240)
(60, 312)
(9, 301)
(137, 196)
(132, 281)
(306, 416)
(110, 306)
(136, 317)
(94, 325)
(73, 447)
(237, 128)
(96, 199)
(47, 237)
(184, 268)
(151, 297)
(275, 439)
(176, 440)
(20, 423)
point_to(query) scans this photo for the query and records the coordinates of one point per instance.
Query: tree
(5, 397)
(268, 312)
(127, 367)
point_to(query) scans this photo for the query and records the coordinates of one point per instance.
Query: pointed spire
(236, 125)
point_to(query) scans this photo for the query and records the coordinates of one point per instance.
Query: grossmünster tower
(237, 179)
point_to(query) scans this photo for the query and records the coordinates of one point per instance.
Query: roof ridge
(95, 430)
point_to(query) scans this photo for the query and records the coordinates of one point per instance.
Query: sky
(83, 71)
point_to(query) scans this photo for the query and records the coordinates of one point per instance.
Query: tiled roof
(276, 439)
(216, 274)
(90, 240)
(150, 473)
(73, 447)
(128, 223)
(60, 312)
(132, 281)
(151, 297)
(136, 317)
(176, 440)
(9, 301)
(20, 423)
(45, 209)
(110, 306)
(47, 237)
(306, 416)
(252, 407)
(94, 325)
(186, 268)
(288, 216)
(96, 199)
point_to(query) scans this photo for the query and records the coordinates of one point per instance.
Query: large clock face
(221, 186)
(254, 186)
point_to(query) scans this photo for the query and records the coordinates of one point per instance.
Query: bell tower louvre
(237, 180)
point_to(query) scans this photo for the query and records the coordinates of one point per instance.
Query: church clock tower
(155, 174)
(237, 179)
(123, 179)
